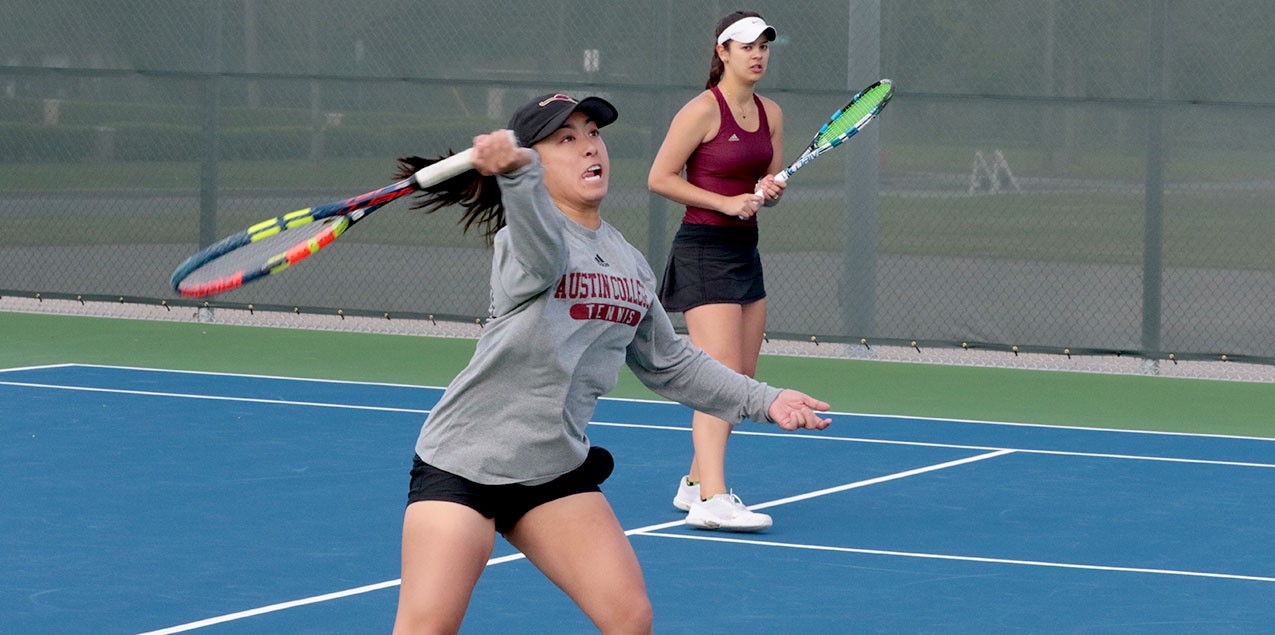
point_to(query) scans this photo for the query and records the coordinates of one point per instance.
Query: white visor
(747, 31)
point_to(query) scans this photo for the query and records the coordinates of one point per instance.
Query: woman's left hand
(793, 410)
(770, 188)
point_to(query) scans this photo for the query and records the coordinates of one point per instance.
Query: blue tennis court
(146, 501)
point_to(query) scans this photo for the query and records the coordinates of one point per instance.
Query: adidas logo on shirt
(598, 258)
(733, 137)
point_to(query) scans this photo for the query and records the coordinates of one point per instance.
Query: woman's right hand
(496, 153)
(744, 206)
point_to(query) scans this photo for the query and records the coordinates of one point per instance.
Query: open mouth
(594, 173)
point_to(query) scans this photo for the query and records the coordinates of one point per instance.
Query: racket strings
(867, 103)
(266, 254)
(277, 244)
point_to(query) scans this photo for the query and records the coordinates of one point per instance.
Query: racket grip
(436, 173)
(782, 177)
(454, 165)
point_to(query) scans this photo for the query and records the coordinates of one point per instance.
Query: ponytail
(479, 195)
(715, 69)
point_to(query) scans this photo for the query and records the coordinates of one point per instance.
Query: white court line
(1049, 426)
(146, 393)
(883, 479)
(45, 367)
(866, 415)
(938, 556)
(336, 595)
(272, 608)
(645, 531)
(211, 373)
(951, 446)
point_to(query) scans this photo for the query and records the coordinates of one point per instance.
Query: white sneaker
(686, 494)
(726, 512)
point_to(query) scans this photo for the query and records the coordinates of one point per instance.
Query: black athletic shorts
(710, 264)
(506, 504)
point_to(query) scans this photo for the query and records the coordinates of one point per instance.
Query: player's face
(748, 61)
(577, 167)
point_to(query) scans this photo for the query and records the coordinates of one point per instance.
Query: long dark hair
(715, 67)
(479, 195)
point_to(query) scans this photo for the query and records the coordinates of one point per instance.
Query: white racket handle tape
(454, 165)
(782, 177)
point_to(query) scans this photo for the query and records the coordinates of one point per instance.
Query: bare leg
(445, 549)
(731, 334)
(579, 545)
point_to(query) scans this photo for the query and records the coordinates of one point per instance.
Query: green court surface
(853, 386)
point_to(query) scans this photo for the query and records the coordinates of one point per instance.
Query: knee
(632, 617)
(424, 623)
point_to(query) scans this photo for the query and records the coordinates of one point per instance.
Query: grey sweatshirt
(569, 307)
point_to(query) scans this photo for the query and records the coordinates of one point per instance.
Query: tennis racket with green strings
(845, 123)
(272, 246)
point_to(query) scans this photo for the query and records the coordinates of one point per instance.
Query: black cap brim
(597, 109)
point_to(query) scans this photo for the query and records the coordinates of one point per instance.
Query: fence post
(657, 207)
(210, 129)
(1153, 225)
(861, 230)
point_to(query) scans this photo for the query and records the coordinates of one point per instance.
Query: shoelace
(736, 502)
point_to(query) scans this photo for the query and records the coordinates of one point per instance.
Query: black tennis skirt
(710, 264)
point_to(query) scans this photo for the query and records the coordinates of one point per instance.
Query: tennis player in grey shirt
(506, 449)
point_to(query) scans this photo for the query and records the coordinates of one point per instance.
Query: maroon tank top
(730, 163)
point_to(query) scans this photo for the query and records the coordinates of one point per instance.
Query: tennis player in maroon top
(722, 147)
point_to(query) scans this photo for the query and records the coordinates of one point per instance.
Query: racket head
(853, 116)
(261, 250)
(275, 245)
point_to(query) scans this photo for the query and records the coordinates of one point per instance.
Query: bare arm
(768, 186)
(696, 123)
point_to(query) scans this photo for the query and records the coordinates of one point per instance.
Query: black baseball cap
(538, 118)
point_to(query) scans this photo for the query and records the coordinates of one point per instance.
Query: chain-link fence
(1086, 175)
